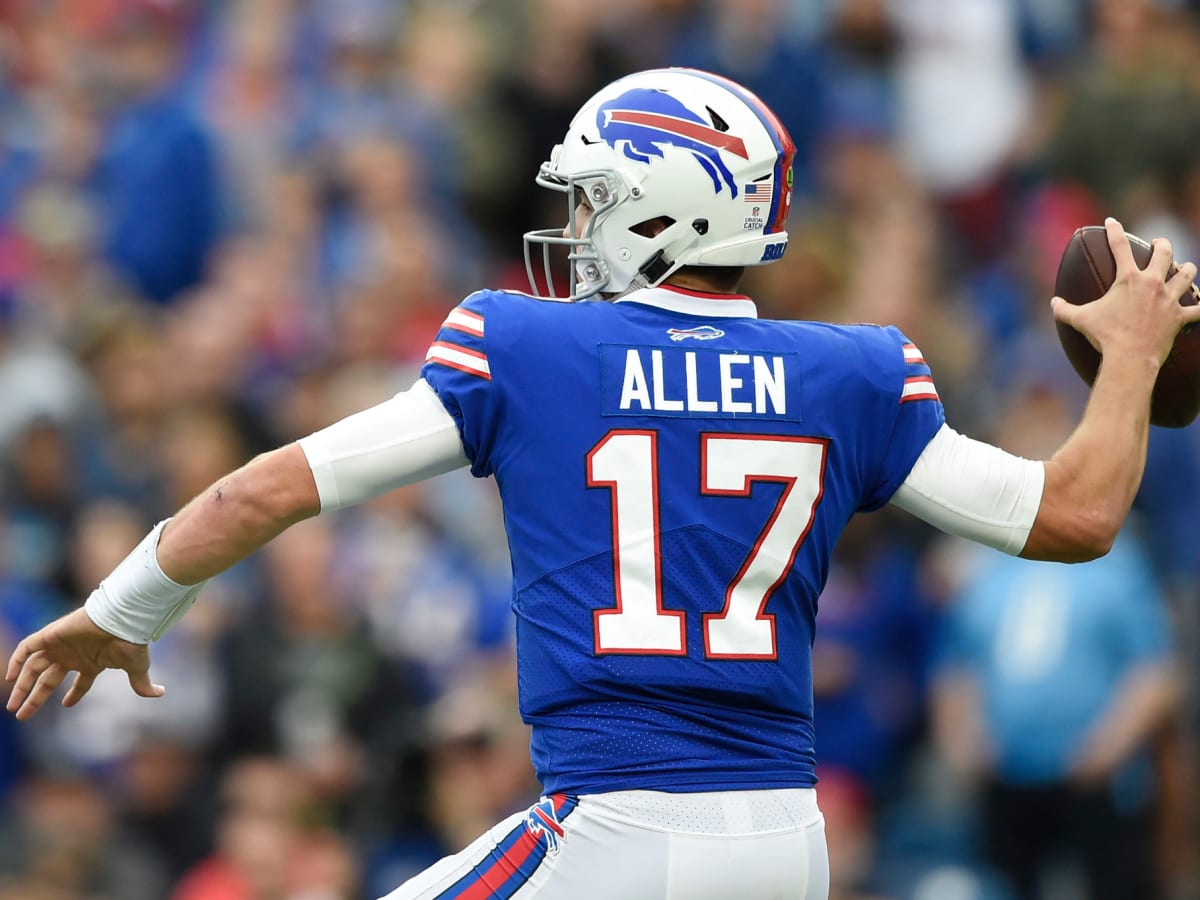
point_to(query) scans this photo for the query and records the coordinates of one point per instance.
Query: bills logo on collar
(700, 333)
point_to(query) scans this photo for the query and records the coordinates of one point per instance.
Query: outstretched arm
(405, 439)
(223, 525)
(237, 515)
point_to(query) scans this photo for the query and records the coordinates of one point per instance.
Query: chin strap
(655, 268)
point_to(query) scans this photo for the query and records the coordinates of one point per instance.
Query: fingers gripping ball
(1085, 272)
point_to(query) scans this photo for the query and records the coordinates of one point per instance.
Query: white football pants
(642, 845)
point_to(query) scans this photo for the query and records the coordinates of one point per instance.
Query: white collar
(694, 303)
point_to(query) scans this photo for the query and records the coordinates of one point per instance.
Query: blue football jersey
(674, 473)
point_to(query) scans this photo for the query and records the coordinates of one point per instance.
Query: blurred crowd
(227, 223)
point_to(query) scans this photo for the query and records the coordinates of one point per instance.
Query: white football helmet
(692, 148)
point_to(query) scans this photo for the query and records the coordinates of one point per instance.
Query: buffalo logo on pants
(542, 823)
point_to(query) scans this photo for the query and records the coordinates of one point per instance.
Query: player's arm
(1070, 507)
(403, 440)
(980, 492)
(1092, 479)
(231, 519)
(408, 438)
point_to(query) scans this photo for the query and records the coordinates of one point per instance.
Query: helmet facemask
(640, 259)
(587, 274)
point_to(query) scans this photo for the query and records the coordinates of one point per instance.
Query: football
(1085, 273)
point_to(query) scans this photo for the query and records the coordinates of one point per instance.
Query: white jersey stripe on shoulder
(464, 320)
(918, 387)
(912, 354)
(460, 358)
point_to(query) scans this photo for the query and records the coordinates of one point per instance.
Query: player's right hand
(72, 643)
(1140, 314)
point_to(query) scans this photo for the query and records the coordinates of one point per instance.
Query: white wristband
(137, 602)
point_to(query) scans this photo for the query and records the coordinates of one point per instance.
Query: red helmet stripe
(684, 128)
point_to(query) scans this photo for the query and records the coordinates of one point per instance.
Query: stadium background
(225, 224)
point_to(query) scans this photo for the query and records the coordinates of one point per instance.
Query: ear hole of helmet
(650, 228)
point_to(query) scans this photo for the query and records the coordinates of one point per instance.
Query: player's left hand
(72, 643)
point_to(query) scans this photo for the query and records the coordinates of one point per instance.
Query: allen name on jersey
(669, 381)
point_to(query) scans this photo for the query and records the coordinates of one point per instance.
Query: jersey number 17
(626, 462)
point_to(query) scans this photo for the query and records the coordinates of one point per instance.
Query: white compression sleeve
(974, 490)
(405, 439)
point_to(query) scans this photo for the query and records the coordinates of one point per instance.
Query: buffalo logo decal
(699, 333)
(543, 824)
(646, 120)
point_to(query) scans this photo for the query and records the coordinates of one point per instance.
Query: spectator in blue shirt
(1053, 684)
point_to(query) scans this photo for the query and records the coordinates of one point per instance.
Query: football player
(675, 473)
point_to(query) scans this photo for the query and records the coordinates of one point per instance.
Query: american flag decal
(758, 192)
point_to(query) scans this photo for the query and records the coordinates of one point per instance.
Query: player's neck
(694, 282)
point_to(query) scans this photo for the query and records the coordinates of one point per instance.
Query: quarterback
(675, 473)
